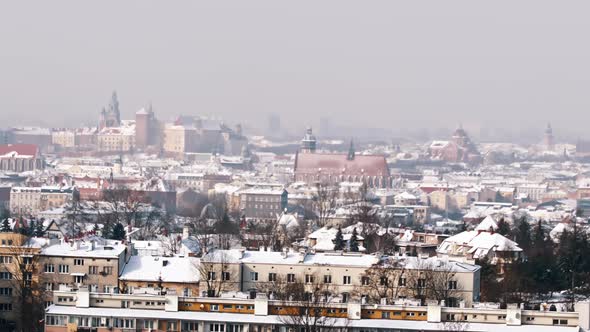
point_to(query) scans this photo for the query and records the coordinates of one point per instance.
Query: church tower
(351, 153)
(308, 143)
(111, 117)
(549, 140)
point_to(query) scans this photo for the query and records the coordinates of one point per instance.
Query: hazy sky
(376, 63)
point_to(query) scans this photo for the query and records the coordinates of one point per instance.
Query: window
(57, 320)
(453, 284)
(186, 292)
(5, 291)
(290, 277)
(217, 327)
(365, 281)
(171, 326)
(78, 279)
(214, 307)
(148, 324)
(93, 270)
(327, 279)
(385, 314)
(401, 282)
(48, 286)
(125, 323)
(190, 326)
(272, 277)
(560, 322)
(309, 279)
(107, 270)
(5, 259)
(235, 328)
(383, 281)
(254, 276)
(345, 297)
(227, 306)
(421, 283)
(5, 275)
(346, 280)
(225, 276)
(211, 275)
(49, 268)
(27, 260)
(64, 268)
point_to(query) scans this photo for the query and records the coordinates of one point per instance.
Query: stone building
(20, 158)
(314, 167)
(30, 200)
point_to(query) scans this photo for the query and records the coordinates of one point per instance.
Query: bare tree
(442, 283)
(23, 269)
(125, 203)
(266, 233)
(307, 305)
(215, 272)
(382, 281)
(324, 203)
(427, 280)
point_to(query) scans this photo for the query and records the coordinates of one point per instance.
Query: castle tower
(308, 143)
(143, 126)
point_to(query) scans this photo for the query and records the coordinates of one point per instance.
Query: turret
(308, 143)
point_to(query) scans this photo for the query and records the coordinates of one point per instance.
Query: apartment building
(64, 138)
(174, 275)
(84, 311)
(346, 275)
(30, 200)
(117, 139)
(18, 273)
(262, 203)
(95, 262)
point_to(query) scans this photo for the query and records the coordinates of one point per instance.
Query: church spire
(351, 152)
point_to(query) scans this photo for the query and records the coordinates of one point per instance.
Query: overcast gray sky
(374, 63)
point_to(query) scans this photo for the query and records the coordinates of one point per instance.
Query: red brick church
(316, 167)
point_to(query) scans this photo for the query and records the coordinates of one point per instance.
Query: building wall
(13, 248)
(263, 205)
(29, 200)
(177, 288)
(115, 142)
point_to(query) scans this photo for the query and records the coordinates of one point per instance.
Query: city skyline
(384, 66)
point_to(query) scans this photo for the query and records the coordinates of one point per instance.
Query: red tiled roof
(21, 149)
(368, 165)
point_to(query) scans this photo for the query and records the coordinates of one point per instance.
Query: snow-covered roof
(165, 269)
(102, 249)
(292, 258)
(487, 224)
(477, 243)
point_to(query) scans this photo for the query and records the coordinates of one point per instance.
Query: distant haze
(383, 64)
